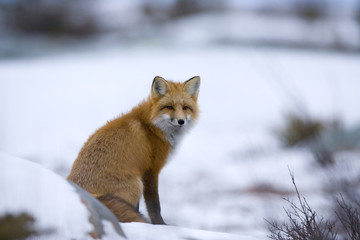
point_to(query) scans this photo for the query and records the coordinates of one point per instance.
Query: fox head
(174, 105)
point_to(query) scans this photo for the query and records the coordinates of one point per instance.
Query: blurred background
(280, 90)
(34, 27)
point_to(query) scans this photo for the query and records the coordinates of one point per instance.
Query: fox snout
(178, 122)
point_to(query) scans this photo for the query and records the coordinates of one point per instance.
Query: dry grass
(305, 224)
(298, 129)
(17, 226)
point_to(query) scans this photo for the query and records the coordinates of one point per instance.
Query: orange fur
(123, 158)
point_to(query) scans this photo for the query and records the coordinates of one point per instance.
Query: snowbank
(140, 231)
(57, 206)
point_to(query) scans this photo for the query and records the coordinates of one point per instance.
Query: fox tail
(123, 210)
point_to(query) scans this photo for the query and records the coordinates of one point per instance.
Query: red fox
(122, 160)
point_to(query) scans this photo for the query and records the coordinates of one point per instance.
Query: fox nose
(181, 121)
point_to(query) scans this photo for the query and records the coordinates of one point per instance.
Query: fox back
(122, 160)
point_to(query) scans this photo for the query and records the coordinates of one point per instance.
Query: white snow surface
(139, 231)
(49, 107)
(26, 187)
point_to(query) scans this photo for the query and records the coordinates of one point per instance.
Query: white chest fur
(173, 131)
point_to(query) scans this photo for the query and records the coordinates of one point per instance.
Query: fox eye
(170, 107)
(185, 107)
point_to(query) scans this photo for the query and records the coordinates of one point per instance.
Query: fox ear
(192, 86)
(159, 87)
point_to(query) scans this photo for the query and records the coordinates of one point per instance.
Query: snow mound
(137, 231)
(60, 209)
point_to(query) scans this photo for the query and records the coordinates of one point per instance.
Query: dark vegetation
(158, 12)
(348, 214)
(17, 226)
(311, 10)
(316, 135)
(54, 18)
(305, 224)
(297, 130)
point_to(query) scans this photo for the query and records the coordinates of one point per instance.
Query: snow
(138, 231)
(227, 175)
(27, 187)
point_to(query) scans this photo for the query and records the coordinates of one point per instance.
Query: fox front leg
(151, 196)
